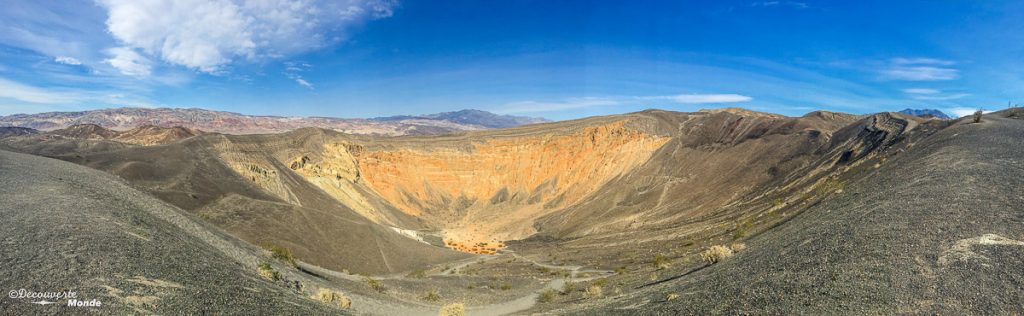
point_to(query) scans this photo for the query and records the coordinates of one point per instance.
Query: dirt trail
(396, 306)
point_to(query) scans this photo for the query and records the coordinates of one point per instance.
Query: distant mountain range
(926, 113)
(470, 117)
(122, 119)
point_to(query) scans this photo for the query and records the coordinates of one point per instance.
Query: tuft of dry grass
(671, 297)
(594, 291)
(375, 285)
(453, 309)
(716, 254)
(267, 271)
(430, 295)
(334, 298)
(737, 247)
(547, 295)
(660, 261)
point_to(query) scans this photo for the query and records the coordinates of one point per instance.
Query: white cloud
(920, 69)
(67, 60)
(921, 91)
(128, 62)
(206, 35)
(303, 82)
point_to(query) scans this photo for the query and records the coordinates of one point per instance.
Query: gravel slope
(70, 228)
(938, 229)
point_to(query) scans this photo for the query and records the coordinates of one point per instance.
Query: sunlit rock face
(493, 189)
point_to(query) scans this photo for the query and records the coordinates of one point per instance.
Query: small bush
(743, 228)
(568, 288)
(620, 270)
(453, 309)
(334, 298)
(505, 286)
(283, 254)
(594, 291)
(375, 285)
(737, 247)
(660, 261)
(671, 297)
(267, 271)
(716, 254)
(547, 295)
(431, 296)
(977, 116)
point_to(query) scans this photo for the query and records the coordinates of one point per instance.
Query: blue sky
(556, 59)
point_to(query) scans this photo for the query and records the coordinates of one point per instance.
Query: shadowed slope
(67, 227)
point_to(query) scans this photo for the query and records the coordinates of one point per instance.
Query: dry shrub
(283, 254)
(267, 271)
(548, 295)
(453, 309)
(977, 116)
(375, 285)
(594, 291)
(431, 295)
(660, 261)
(737, 247)
(334, 298)
(671, 296)
(716, 254)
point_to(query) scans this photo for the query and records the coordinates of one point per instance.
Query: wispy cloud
(941, 97)
(293, 71)
(29, 97)
(921, 91)
(67, 60)
(587, 102)
(128, 62)
(701, 98)
(926, 94)
(920, 69)
(209, 35)
(792, 4)
(25, 93)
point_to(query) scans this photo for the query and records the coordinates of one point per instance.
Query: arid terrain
(724, 211)
(123, 119)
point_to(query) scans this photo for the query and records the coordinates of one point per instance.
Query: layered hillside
(932, 226)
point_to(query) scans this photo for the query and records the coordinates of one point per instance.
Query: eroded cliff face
(477, 193)
(495, 189)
